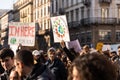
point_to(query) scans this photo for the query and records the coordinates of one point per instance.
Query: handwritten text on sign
(23, 33)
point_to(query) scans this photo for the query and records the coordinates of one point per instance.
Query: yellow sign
(99, 46)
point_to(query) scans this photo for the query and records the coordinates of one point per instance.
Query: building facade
(5, 19)
(89, 21)
(41, 16)
(92, 21)
(24, 9)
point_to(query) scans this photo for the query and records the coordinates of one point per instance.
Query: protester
(1, 69)
(26, 69)
(119, 50)
(69, 54)
(36, 56)
(85, 50)
(56, 65)
(39, 56)
(7, 62)
(92, 67)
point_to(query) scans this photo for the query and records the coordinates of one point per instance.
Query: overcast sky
(6, 4)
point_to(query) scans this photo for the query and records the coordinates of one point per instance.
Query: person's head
(119, 50)
(106, 53)
(7, 58)
(113, 53)
(86, 48)
(92, 67)
(51, 53)
(14, 75)
(24, 62)
(36, 54)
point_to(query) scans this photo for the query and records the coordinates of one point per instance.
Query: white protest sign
(106, 47)
(114, 47)
(60, 28)
(21, 33)
(74, 44)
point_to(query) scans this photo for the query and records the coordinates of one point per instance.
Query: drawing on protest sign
(21, 33)
(60, 28)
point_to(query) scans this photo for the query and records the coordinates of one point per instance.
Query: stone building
(5, 19)
(92, 21)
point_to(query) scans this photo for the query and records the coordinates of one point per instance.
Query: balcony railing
(61, 11)
(105, 1)
(98, 20)
(86, 2)
(74, 24)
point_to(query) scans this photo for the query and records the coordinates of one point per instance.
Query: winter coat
(41, 72)
(57, 67)
(5, 75)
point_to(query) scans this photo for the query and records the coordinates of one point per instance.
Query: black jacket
(57, 67)
(5, 75)
(69, 54)
(40, 72)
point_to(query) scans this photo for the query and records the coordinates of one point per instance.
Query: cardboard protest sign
(21, 33)
(60, 28)
(74, 44)
(106, 47)
(99, 46)
(114, 47)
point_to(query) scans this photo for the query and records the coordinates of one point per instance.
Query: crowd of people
(59, 64)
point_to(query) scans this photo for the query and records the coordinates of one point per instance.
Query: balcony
(74, 24)
(105, 1)
(22, 5)
(98, 20)
(86, 2)
(24, 15)
(61, 11)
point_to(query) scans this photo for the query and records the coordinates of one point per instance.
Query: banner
(21, 33)
(60, 28)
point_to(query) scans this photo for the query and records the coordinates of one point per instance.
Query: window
(67, 15)
(45, 25)
(77, 14)
(52, 7)
(39, 2)
(45, 11)
(82, 12)
(67, 3)
(118, 14)
(82, 38)
(105, 35)
(44, 1)
(72, 15)
(72, 2)
(41, 13)
(118, 35)
(88, 12)
(76, 1)
(89, 36)
(63, 4)
(104, 12)
(56, 5)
